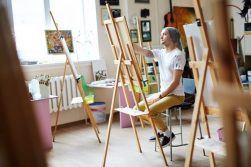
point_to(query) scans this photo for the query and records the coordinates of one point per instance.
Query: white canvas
(194, 31)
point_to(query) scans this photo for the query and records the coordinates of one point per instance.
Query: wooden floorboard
(76, 146)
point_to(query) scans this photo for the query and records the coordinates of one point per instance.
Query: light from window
(30, 24)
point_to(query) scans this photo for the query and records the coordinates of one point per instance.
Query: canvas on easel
(127, 73)
(78, 80)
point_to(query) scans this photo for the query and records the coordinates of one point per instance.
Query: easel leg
(158, 141)
(93, 122)
(88, 110)
(111, 114)
(206, 127)
(192, 138)
(199, 106)
(109, 129)
(59, 103)
(135, 133)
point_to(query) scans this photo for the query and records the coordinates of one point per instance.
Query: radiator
(70, 91)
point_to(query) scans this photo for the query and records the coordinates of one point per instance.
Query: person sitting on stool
(171, 62)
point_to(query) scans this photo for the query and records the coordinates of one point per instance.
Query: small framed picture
(54, 45)
(105, 15)
(134, 35)
(111, 2)
(116, 13)
(142, 1)
(99, 69)
(146, 30)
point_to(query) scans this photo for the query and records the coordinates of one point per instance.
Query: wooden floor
(77, 146)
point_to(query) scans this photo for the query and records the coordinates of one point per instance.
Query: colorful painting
(54, 45)
(184, 15)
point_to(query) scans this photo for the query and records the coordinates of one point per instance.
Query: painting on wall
(134, 35)
(99, 70)
(111, 2)
(142, 1)
(146, 30)
(184, 15)
(105, 15)
(54, 45)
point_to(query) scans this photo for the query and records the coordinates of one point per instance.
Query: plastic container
(98, 110)
(100, 116)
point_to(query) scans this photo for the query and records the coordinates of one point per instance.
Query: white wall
(158, 8)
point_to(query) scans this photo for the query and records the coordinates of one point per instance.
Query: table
(42, 114)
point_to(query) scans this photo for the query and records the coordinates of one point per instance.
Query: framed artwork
(105, 15)
(111, 2)
(99, 70)
(54, 45)
(142, 1)
(184, 15)
(146, 30)
(134, 35)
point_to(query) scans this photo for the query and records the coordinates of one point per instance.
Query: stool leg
(155, 143)
(201, 137)
(167, 117)
(170, 125)
(181, 129)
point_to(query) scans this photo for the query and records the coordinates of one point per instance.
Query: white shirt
(168, 62)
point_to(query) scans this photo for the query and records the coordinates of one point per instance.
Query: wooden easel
(20, 140)
(142, 61)
(79, 85)
(231, 102)
(237, 154)
(206, 63)
(128, 73)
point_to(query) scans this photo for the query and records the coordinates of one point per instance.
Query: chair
(190, 90)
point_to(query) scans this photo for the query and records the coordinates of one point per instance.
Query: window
(31, 19)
